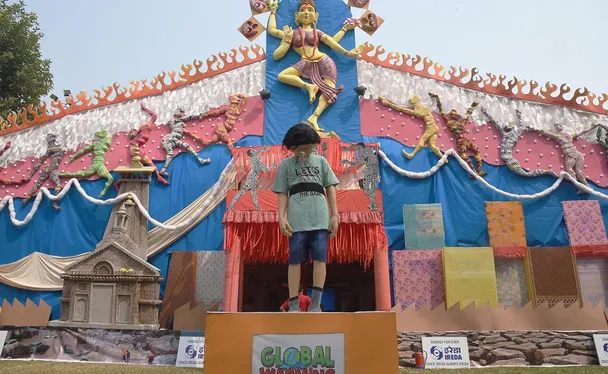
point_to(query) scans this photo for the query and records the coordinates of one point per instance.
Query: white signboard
(274, 354)
(601, 347)
(446, 353)
(191, 352)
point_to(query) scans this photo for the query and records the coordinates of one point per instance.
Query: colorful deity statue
(456, 123)
(510, 136)
(55, 153)
(175, 139)
(315, 65)
(141, 136)
(221, 132)
(575, 161)
(99, 148)
(430, 133)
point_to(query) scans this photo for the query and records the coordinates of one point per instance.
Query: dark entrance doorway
(348, 288)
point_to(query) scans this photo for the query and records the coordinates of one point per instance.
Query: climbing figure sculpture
(141, 136)
(6, 147)
(367, 157)
(55, 153)
(251, 183)
(430, 133)
(221, 132)
(174, 139)
(510, 136)
(98, 167)
(456, 123)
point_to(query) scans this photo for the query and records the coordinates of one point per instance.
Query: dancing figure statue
(141, 136)
(575, 161)
(456, 123)
(221, 132)
(55, 153)
(430, 133)
(315, 65)
(251, 183)
(510, 136)
(174, 139)
(371, 174)
(99, 148)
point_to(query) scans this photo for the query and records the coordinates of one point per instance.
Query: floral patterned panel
(584, 222)
(593, 275)
(511, 282)
(210, 270)
(423, 226)
(418, 278)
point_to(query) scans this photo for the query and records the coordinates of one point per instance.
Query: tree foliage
(24, 75)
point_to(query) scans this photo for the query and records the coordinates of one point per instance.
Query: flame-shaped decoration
(551, 94)
(34, 115)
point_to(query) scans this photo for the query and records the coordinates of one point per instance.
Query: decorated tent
(515, 165)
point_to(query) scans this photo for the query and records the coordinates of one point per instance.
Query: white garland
(9, 201)
(425, 174)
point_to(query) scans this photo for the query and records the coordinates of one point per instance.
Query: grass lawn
(38, 367)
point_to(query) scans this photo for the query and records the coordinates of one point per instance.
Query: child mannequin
(302, 183)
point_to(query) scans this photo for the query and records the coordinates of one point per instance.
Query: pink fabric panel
(418, 277)
(584, 222)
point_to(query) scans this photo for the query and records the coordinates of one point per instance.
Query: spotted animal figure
(251, 183)
(232, 111)
(367, 157)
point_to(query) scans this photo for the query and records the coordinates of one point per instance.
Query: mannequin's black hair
(300, 134)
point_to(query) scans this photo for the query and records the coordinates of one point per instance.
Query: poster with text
(191, 352)
(275, 354)
(601, 346)
(446, 353)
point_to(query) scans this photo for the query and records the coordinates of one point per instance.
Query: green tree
(24, 75)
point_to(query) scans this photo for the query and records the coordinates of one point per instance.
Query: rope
(425, 174)
(8, 201)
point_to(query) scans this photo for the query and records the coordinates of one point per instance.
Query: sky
(95, 43)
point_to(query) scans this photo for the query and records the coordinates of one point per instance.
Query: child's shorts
(304, 245)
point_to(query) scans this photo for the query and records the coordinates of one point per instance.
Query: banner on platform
(191, 352)
(275, 354)
(3, 337)
(601, 347)
(446, 352)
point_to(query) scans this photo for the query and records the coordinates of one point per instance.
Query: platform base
(104, 326)
(331, 343)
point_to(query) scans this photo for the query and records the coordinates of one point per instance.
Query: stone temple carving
(115, 287)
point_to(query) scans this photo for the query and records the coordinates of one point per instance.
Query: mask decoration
(363, 4)
(370, 22)
(258, 6)
(251, 29)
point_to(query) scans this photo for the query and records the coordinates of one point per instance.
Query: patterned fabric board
(593, 275)
(511, 283)
(470, 276)
(552, 275)
(418, 278)
(179, 289)
(423, 224)
(210, 270)
(506, 226)
(584, 222)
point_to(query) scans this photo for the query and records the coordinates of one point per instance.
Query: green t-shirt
(308, 210)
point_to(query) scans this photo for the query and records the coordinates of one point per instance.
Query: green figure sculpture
(100, 148)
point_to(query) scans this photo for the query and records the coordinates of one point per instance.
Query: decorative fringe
(266, 244)
(510, 252)
(591, 250)
(265, 216)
